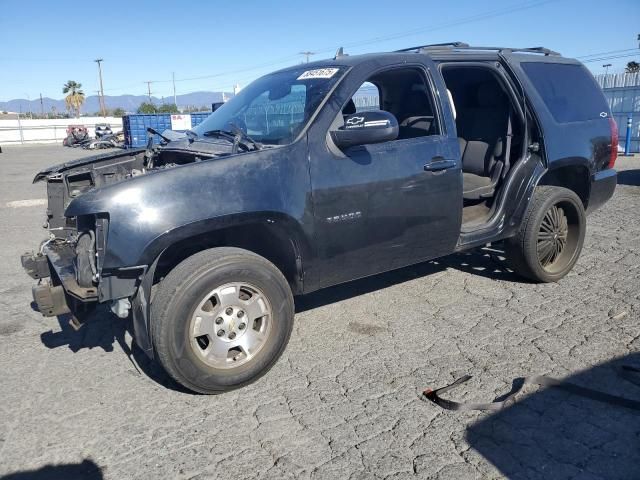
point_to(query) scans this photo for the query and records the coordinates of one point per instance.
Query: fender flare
(276, 221)
(141, 301)
(539, 172)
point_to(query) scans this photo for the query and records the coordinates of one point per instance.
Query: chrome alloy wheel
(230, 325)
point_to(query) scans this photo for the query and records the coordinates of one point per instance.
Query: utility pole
(606, 68)
(30, 107)
(102, 105)
(149, 82)
(307, 54)
(41, 107)
(173, 77)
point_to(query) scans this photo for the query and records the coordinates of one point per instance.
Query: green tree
(168, 108)
(632, 67)
(75, 96)
(118, 112)
(147, 107)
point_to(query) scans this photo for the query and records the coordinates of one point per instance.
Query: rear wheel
(221, 319)
(551, 235)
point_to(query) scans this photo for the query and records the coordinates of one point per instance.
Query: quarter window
(569, 91)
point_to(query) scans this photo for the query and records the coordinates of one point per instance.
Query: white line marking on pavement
(33, 202)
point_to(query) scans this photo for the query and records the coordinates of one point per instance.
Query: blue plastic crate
(135, 126)
(198, 117)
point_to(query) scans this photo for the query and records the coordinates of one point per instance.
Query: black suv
(319, 174)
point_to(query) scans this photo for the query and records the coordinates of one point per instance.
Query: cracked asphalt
(344, 401)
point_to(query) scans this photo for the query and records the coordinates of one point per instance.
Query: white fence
(21, 131)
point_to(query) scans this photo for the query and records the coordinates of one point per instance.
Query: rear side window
(569, 91)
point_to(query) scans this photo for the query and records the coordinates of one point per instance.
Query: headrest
(349, 108)
(417, 102)
(490, 95)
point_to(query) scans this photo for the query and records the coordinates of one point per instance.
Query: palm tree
(75, 97)
(632, 67)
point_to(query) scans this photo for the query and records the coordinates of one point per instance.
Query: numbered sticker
(318, 73)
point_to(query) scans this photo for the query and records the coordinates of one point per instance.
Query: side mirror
(366, 127)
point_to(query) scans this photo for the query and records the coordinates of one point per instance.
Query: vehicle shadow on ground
(87, 470)
(629, 177)
(557, 434)
(484, 262)
(104, 330)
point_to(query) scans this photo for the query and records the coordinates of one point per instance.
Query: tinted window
(569, 91)
(263, 116)
(275, 108)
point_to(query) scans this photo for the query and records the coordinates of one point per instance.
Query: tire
(250, 298)
(551, 235)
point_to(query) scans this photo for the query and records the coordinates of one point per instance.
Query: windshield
(274, 109)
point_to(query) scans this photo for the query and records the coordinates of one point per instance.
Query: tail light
(613, 155)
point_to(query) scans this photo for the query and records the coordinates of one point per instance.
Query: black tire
(552, 212)
(178, 297)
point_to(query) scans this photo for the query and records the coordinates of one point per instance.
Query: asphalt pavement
(344, 401)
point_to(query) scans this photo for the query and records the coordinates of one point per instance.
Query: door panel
(383, 206)
(378, 209)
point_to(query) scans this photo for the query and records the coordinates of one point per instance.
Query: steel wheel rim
(556, 242)
(230, 325)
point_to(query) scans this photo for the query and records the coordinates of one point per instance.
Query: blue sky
(46, 43)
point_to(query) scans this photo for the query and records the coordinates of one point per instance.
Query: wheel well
(267, 242)
(573, 177)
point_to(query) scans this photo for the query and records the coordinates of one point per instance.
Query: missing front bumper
(57, 291)
(50, 300)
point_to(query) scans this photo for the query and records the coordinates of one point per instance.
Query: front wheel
(221, 319)
(551, 235)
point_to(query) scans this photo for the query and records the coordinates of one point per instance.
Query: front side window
(274, 109)
(405, 93)
(367, 98)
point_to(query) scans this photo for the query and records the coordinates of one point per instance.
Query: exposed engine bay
(73, 254)
(68, 181)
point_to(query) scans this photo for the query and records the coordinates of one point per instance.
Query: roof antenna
(340, 53)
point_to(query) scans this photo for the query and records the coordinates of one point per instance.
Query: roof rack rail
(465, 46)
(436, 45)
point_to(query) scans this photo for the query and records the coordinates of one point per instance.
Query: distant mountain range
(129, 103)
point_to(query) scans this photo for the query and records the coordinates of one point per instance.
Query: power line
(242, 70)
(442, 25)
(477, 17)
(370, 41)
(612, 52)
(612, 57)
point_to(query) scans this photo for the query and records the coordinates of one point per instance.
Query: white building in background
(623, 94)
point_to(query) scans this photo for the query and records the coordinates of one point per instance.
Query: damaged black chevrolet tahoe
(320, 174)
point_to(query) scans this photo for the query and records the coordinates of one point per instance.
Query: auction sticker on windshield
(181, 122)
(318, 73)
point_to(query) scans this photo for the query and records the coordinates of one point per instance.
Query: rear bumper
(603, 184)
